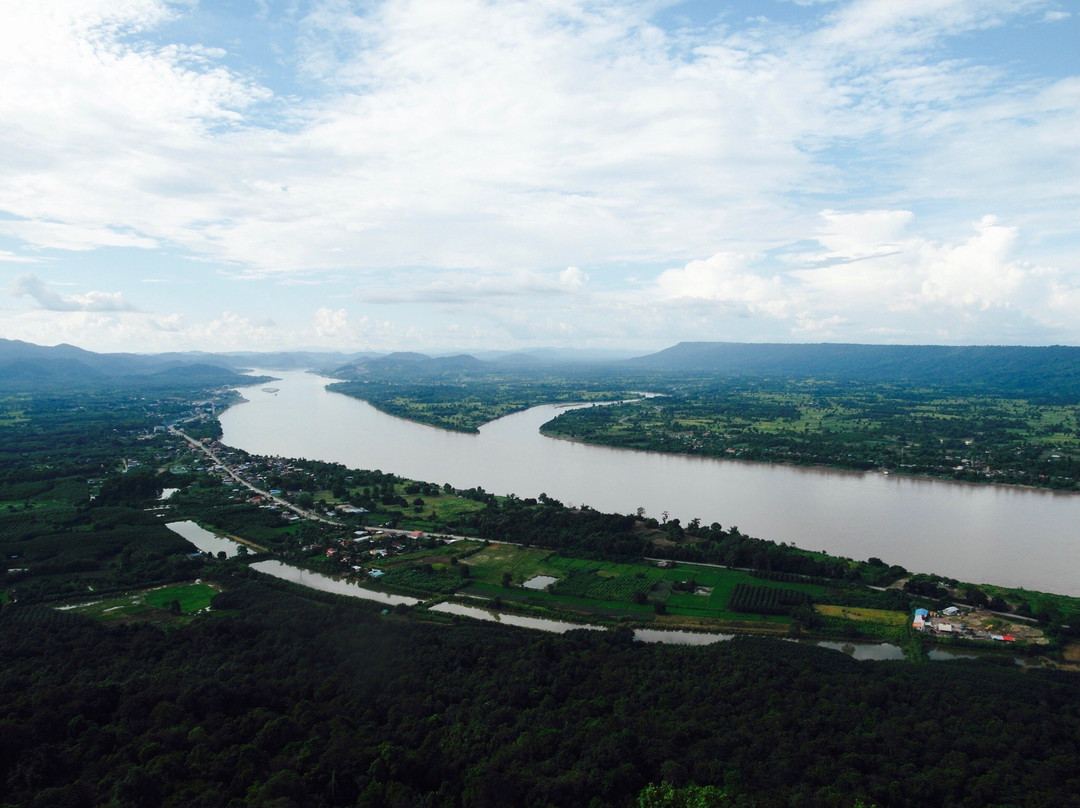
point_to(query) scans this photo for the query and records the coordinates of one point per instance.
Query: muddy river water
(980, 533)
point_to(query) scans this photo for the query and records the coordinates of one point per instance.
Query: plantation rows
(590, 585)
(791, 578)
(765, 599)
(15, 526)
(41, 617)
(422, 582)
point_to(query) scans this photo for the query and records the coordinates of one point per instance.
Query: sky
(470, 175)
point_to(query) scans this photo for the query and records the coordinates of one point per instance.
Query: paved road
(266, 494)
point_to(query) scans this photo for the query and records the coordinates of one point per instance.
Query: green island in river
(1000, 415)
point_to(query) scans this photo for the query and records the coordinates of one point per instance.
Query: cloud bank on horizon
(465, 174)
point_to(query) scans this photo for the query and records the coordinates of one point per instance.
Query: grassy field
(879, 616)
(604, 589)
(114, 608)
(437, 510)
(443, 508)
(153, 602)
(879, 624)
(1038, 601)
(12, 417)
(522, 563)
(192, 597)
(13, 409)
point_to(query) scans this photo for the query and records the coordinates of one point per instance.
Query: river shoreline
(692, 455)
(816, 466)
(1017, 537)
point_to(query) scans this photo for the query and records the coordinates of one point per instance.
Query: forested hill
(1053, 370)
(28, 368)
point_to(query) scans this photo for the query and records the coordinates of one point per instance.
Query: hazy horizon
(539, 352)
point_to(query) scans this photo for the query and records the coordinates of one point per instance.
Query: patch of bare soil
(995, 624)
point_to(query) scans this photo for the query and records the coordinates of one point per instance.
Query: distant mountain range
(1000, 367)
(1052, 370)
(411, 364)
(25, 367)
(418, 364)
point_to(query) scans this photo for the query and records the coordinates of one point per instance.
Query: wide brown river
(979, 533)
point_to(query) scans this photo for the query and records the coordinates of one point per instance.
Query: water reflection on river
(999, 534)
(324, 583)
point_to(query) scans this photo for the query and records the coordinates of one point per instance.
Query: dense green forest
(282, 698)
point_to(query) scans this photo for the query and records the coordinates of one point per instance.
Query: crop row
(590, 585)
(765, 599)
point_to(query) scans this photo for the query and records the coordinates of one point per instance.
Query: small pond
(946, 654)
(324, 583)
(555, 626)
(202, 538)
(679, 637)
(861, 651)
(540, 582)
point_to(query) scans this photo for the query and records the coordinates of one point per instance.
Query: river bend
(982, 533)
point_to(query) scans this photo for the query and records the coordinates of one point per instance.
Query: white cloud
(231, 328)
(333, 325)
(869, 278)
(573, 278)
(904, 283)
(172, 323)
(724, 278)
(880, 27)
(451, 155)
(975, 273)
(467, 288)
(820, 328)
(106, 134)
(31, 285)
(13, 258)
(61, 236)
(450, 134)
(226, 331)
(93, 330)
(852, 236)
(458, 133)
